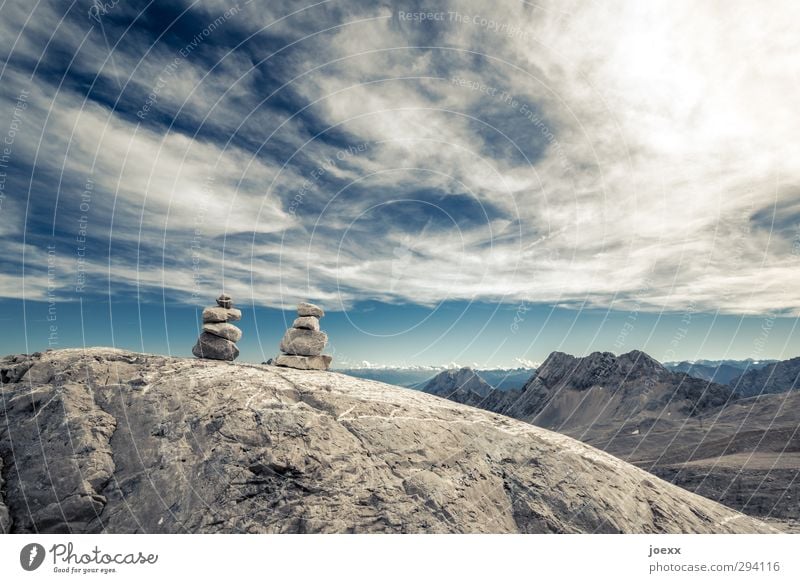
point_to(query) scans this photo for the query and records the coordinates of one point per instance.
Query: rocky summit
(302, 344)
(103, 440)
(462, 385)
(568, 392)
(219, 337)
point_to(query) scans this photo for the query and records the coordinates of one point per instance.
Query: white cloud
(664, 129)
(527, 363)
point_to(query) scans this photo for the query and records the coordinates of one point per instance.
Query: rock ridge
(167, 445)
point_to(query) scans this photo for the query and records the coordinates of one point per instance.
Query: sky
(453, 182)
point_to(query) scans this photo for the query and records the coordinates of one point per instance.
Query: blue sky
(483, 335)
(610, 168)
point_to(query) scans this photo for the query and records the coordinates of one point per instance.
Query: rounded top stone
(306, 309)
(225, 301)
(220, 314)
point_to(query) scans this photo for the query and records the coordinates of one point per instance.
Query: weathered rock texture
(102, 440)
(220, 314)
(218, 338)
(303, 342)
(306, 322)
(212, 346)
(223, 330)
(5, 520)
(321, 362)
(306, 309)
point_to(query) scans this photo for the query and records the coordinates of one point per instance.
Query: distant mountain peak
(596, 368)
(463, 381)
(778, 377)
(603, 387)
(642, 360)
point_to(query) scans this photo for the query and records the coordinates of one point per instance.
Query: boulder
(223, 330)
(306, 309)
(122, 442)
(225, 301)
(321, 362)
(14, 367)
(220, 314)
(303, 342)
(212, 346)
(306, 323)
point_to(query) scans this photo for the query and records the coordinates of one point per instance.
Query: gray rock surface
(225, 301)
(120, 442)
(61, 459)
(306, 323)
(303, 342)
(219, 314)
(321, 362)
(5, 519)
(212, 346)
(14, 366)
(223, 330)
(306, 309)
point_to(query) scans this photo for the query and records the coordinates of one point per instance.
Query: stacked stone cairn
(219, 337)
(303, 343)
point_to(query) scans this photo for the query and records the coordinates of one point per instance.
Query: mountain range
(776, 377)
(416, 377)
(722, 373)
(697, 433)
(463, 386)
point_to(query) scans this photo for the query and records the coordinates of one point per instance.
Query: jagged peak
(641, 358)
(463, 379)
(595, 368)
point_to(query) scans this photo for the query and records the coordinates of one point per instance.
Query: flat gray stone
(303, 342)
(219, 314)
(306, 323)
(225, 301)
(223, 330)
(306, 309)
(214, 347)
(321, 362)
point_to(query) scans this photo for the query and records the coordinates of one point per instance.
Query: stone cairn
(303, 343)
(219, 336)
